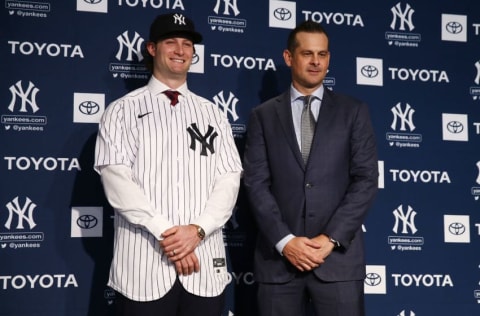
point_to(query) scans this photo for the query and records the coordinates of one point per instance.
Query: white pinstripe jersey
(176, 172)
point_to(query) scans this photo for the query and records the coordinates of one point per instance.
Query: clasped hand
(179, 243)
(307, 254)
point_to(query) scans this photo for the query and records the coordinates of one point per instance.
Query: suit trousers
(308, 295)
(177, 302)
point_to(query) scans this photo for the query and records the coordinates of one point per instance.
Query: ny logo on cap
(179, 19)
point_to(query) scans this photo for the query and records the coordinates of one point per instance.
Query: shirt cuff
(283, 242)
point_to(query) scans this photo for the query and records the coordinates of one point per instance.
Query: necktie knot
(307, 100)
(172, 95)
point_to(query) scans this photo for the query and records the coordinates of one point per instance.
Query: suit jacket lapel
(324, 117)
(284, 112)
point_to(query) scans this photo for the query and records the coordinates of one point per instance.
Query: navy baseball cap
(173, 25)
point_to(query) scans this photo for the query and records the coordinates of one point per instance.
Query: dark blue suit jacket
(330, 195)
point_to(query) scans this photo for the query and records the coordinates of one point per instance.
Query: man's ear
(287, 56)
(151, 48)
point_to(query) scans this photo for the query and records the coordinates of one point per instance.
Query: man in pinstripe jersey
(171, 171)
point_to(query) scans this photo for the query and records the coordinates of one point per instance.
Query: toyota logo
(456, 228)
(369, 71)
(373, 279)
(454, 27)
(89, 107)
(87, 221)
(455, 127)
(282, 14)
(195, 59)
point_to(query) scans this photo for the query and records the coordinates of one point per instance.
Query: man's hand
(303, 253)
(187, 265)
(326, 246)
(178, 243)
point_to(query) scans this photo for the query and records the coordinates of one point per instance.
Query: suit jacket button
(308, 186)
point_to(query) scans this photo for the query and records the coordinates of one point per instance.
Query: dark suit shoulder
(342, 99)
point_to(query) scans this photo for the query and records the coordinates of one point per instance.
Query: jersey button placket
(176, 144)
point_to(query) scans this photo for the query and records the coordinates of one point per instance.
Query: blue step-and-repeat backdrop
(416, 63)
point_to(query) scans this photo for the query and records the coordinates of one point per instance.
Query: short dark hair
(306, 26)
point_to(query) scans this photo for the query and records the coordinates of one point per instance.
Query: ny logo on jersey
(205, 140)
(24, 213)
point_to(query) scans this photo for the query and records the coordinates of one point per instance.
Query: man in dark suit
(310, 197)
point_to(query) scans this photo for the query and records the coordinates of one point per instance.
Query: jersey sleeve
(110, 145)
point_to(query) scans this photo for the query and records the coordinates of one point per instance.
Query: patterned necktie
(307, 127)
(173, 96)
